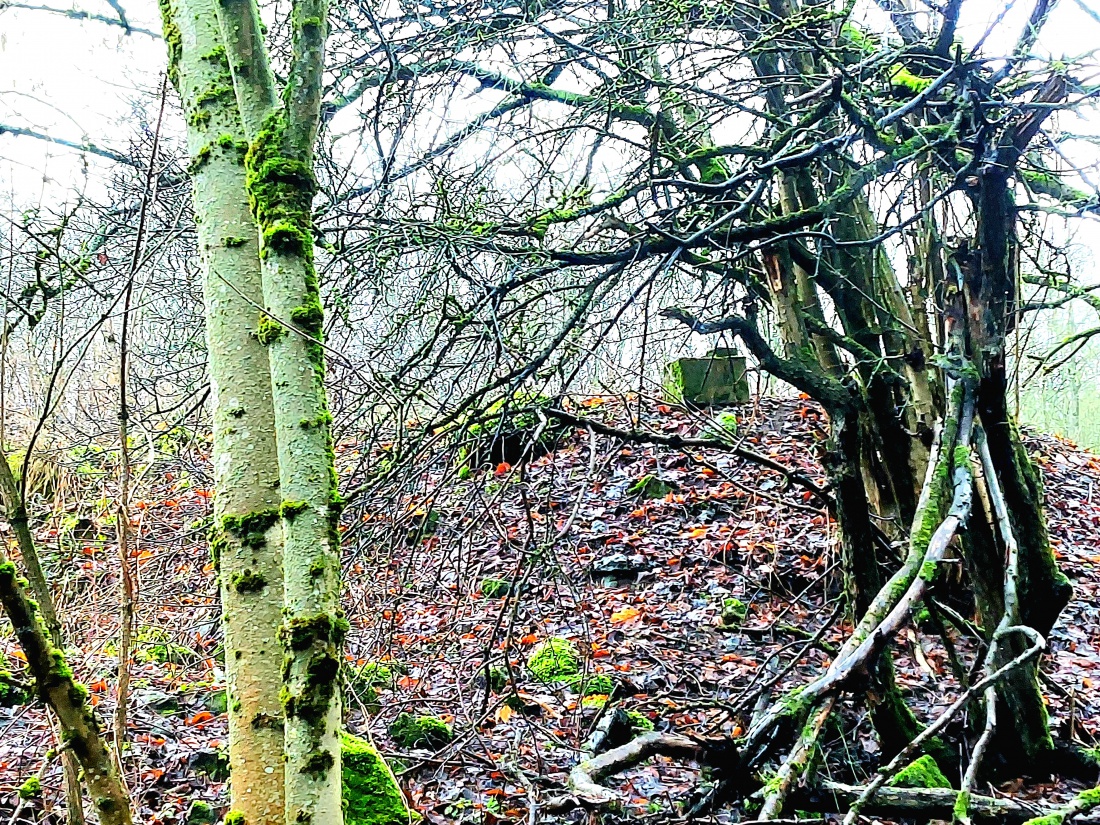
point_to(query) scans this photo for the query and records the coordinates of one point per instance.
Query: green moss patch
(410, 731)
(554, 660)
(921, 773)
(495, 588)
(371, 793)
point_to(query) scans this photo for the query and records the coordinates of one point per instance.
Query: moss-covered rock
(554, 660)
(410, 731)
(734, 612)
(716, 379)
(371, 793)
(922, 772)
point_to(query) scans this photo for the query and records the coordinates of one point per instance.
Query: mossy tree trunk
(882, 424)
(247, 538)
(281, 131)
(15, 510)
(54, 681)
(989, 267)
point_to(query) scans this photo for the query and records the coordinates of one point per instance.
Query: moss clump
(248, 581)
(234, 818)
(554, 660)
(371, 793)
(173, 39)
(420, 731)
(251, 529)
(280, 192)
(321, 635)
(373, 674)
(598, 685)
(495, 588)
(200, 813)
(31, 789)
(269, 330)
(290, 510)
(922, 772)
(734, 612)
(232, 242)
(309, 318)
(639, 723)
(904, 83)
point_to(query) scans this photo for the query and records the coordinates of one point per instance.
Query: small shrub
(495, 588)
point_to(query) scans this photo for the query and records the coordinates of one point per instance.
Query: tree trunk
(281, 186)
(16, 512)
(247, 539)
(53, 678)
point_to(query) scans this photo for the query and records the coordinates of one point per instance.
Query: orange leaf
(200, 717)
(502, 468)
(625, 615)
(695, 533)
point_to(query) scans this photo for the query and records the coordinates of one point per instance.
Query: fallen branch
(913, 802)
(677, 442)
(585, 777)
(796, 764)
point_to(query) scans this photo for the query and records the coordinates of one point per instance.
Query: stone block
(718, 378)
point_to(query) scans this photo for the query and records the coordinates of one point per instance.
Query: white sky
(83, 80)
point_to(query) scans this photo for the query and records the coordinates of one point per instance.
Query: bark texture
(281, 187)
(247, 539)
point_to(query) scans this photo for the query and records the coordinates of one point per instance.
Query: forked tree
(276, 535)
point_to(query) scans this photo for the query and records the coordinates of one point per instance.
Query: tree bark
(247, 538)
(281, 187)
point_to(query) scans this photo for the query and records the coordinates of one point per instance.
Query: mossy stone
(371, 793)
(922, 772)
(410, 731)
(554, 660)
(715, 379)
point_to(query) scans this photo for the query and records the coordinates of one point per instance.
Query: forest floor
(705, 532)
